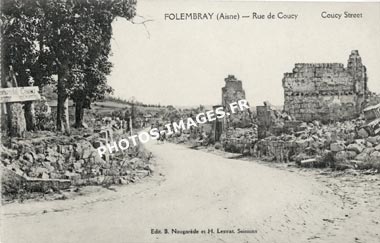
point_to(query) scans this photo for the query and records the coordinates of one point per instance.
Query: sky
(184, 63)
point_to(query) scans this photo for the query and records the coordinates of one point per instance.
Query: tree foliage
(69, 39)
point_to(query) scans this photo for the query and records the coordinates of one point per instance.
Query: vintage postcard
(137, 121)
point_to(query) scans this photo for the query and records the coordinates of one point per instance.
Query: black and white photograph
(189, 121)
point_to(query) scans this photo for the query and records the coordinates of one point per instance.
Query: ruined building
(232, 92)
(326, 91)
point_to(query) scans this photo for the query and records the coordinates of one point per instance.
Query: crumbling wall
(232, 92)
(328, 107)
(372, 99)
(326, 91)
(239, 140)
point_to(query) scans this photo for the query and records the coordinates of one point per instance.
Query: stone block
(343, 156)
(337, 147)
(374, 157)
(362, 133)
(358, 148)
(364, 156)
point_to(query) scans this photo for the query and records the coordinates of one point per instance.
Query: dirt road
(195, 191)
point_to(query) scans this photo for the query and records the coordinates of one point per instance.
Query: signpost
(19, 94)
(11, 100)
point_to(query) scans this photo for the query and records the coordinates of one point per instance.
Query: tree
(93, 87)
(66, 38)
(97, 23)
(20, 25)
(21, 30)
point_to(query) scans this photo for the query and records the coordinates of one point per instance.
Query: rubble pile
(239, 140)
(73, 158)
(340, 145)
(199, 136)
(373, 98)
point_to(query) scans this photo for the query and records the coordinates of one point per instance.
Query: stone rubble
(339, 145)
(73, 158)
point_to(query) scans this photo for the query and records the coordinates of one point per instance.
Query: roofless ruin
(326, 91)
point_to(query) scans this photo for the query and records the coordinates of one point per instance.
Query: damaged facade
(232, 92)
(326, 91)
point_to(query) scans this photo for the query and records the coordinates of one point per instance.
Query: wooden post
(13, 97)
(15, 111)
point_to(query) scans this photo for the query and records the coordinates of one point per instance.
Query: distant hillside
(129, 102)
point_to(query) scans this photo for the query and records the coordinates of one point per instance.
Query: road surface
(191, 190)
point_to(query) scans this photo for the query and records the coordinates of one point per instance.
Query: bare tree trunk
(79, 112)
(16, 120)
(30, 116)
(15, 113)
(63, 124)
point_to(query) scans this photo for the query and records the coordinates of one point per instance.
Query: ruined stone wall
(232, 91)
(329, 107)
(326, 91)
(373, 99)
